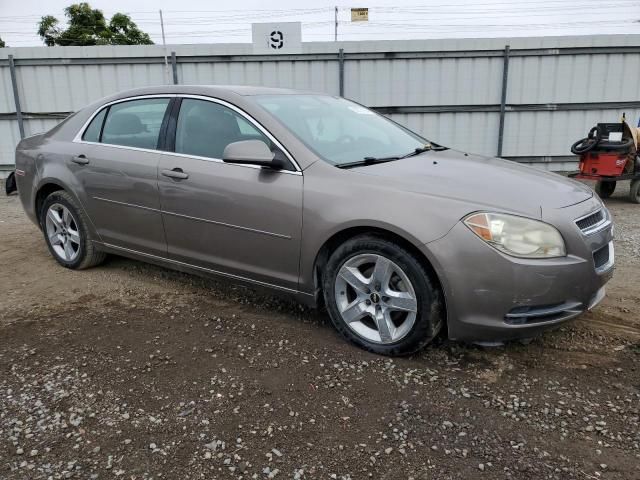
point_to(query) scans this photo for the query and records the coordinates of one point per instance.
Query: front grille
(601, 256)
(591, 220)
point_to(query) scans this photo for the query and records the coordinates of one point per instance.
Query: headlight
(517, 236)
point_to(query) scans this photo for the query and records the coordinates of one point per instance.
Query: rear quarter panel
(46, 160)
(28, 154)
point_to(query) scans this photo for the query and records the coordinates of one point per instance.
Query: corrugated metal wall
(448, 90)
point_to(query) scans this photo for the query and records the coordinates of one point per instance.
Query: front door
(118, 170)
(240, 220)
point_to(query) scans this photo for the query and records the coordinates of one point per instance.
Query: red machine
(609, 154)
(602, 164)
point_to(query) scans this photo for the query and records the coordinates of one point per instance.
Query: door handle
(176, 173)
(80, 159)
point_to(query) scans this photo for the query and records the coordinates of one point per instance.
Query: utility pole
(164, 43)
(335, 27)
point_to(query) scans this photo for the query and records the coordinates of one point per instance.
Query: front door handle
(80, 159)
(176, 173)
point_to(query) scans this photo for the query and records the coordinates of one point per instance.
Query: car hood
(484, 181)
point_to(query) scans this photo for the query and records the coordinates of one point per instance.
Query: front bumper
(492, 297)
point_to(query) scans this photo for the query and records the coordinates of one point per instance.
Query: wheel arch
(341, 236)
(50, 185)
(46, 188)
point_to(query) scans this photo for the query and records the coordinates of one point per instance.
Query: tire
(10, 184)
(405, 300)
(64, 225)
(605, 189)
(634, 191)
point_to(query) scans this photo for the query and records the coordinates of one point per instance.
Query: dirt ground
(136, 372)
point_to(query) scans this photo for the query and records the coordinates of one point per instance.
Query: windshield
(338, 130)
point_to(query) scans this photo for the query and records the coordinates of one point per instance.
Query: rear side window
(206, 128)
(135, 123)
(92, 133)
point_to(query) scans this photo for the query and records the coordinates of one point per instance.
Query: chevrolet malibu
(316, 196)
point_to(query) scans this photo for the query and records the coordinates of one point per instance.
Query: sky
(202, 21)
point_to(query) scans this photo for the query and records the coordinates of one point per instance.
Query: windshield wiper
(427, 148)
(373, 160)
(367, 161)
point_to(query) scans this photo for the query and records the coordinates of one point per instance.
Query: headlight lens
(517, 236)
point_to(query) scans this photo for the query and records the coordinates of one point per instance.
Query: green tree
(48, 30)
(88, 26)
(125, 32)
(2, 44)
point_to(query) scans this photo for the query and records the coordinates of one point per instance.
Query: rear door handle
(80, 159)
(176, 173)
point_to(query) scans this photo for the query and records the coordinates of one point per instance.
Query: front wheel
(380, 297)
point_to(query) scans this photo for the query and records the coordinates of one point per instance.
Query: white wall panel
(6, 92)
(10, 138)
(574, 78)
(470, 132)
(403, 82)
(552, 133)
(458, 73)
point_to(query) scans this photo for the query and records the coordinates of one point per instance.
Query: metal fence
(526, 99)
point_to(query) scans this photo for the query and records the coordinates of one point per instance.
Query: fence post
(16, 96)
(503, 100)
(341, 71)
(174, 67)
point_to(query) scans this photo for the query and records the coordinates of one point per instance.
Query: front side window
(205, 129)
(338, 130)
(134, 123)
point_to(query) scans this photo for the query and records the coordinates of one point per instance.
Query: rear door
(119, 173)
(241, 220)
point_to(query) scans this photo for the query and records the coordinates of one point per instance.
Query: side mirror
(252, 152)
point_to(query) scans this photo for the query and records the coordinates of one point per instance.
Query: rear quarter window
(92, 133)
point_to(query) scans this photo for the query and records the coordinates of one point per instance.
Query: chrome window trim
(242, 113)
(78, 137)
(598, 227)
(217, 160)
(251, 120)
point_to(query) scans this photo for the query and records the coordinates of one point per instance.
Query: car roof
(224, 90)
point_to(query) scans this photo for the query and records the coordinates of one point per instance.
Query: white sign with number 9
(276, 38)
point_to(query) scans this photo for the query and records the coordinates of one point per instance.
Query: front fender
(337, 200)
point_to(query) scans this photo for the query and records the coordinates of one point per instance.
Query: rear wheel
(65, 230)
(605, 189)
(634, 192)
(380, 297)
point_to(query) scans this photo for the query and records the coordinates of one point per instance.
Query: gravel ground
(133, 371)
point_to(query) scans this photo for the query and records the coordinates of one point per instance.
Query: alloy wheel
(375, 298)
(62, 232)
